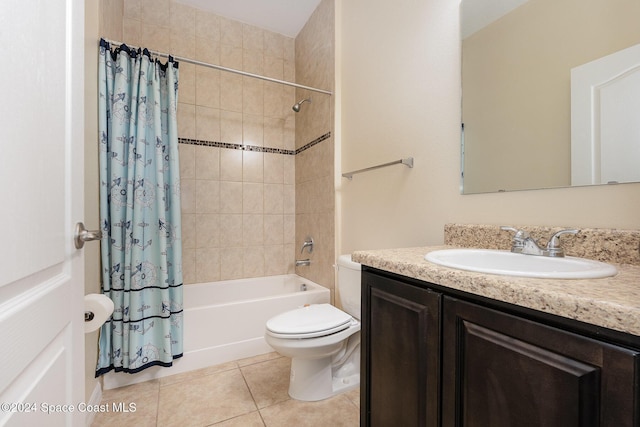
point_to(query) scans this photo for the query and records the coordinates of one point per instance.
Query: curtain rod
(230, 70)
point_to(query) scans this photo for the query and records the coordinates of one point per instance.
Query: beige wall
(517, 91)
(315, 205)
(399, 80)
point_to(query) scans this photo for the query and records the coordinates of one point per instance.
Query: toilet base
(315, 379)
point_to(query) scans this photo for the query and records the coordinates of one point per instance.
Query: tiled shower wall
(315, 201)
(238, 141)
(238, 205)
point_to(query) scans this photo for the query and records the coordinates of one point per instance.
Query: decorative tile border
(254, 147)
(314, 142)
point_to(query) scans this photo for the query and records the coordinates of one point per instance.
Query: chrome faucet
(553, 247)
(523, 243)
(308, 243)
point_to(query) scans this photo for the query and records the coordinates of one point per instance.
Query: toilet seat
(311, 321)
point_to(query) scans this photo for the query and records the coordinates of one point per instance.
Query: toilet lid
(307, 322)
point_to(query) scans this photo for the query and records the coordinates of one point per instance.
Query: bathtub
(224, 321)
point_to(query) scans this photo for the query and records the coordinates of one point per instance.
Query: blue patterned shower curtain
(139, 210)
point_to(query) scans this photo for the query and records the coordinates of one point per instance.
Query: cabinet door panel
(400, 354)
(501, 370)
(514, 383)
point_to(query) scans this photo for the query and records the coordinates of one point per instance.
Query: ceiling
(286, 17)
(475, 14)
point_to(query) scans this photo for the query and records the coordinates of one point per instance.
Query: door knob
(83, 235)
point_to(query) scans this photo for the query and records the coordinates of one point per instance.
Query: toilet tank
(349, 285)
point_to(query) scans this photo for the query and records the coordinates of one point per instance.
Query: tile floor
(245, 393)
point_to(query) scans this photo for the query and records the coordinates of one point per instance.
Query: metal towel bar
(408, 162)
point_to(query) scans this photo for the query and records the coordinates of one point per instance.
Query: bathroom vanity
(446, 347)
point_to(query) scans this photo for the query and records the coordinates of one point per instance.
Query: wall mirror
(550, 93)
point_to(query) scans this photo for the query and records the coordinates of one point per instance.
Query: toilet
(322, 341)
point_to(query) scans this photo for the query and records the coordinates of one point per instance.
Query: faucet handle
(553, 247)
(518, 239)
(519, 234)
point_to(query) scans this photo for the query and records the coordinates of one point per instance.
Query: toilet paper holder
(98, 308)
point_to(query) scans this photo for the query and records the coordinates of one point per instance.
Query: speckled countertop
(612, 302)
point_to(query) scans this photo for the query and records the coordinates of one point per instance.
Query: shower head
(296, 107)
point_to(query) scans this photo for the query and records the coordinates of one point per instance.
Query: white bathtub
(224, 321)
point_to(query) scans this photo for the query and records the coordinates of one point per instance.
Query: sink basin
(512, 264)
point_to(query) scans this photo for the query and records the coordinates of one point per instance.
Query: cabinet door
(501, 370)
(400, 354)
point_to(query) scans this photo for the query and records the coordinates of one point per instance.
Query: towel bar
(408, 162)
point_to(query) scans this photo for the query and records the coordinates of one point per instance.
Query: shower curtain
(139, 210)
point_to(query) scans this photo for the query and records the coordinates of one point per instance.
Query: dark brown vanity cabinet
(400, 350)
(434, 358)
(500, 370)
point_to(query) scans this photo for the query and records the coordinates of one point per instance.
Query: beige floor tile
(268, 381)
(257, 359)
(198, 373)
(354, 396)
(337, 411)
(252, 419)
(143, 414)
(130, 392)
(227, 395)
(204, 401)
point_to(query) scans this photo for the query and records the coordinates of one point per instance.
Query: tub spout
(301, 262)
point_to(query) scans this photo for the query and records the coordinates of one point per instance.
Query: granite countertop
(612, 302)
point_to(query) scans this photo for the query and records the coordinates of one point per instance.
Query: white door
(41, 188)
(605, 119)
